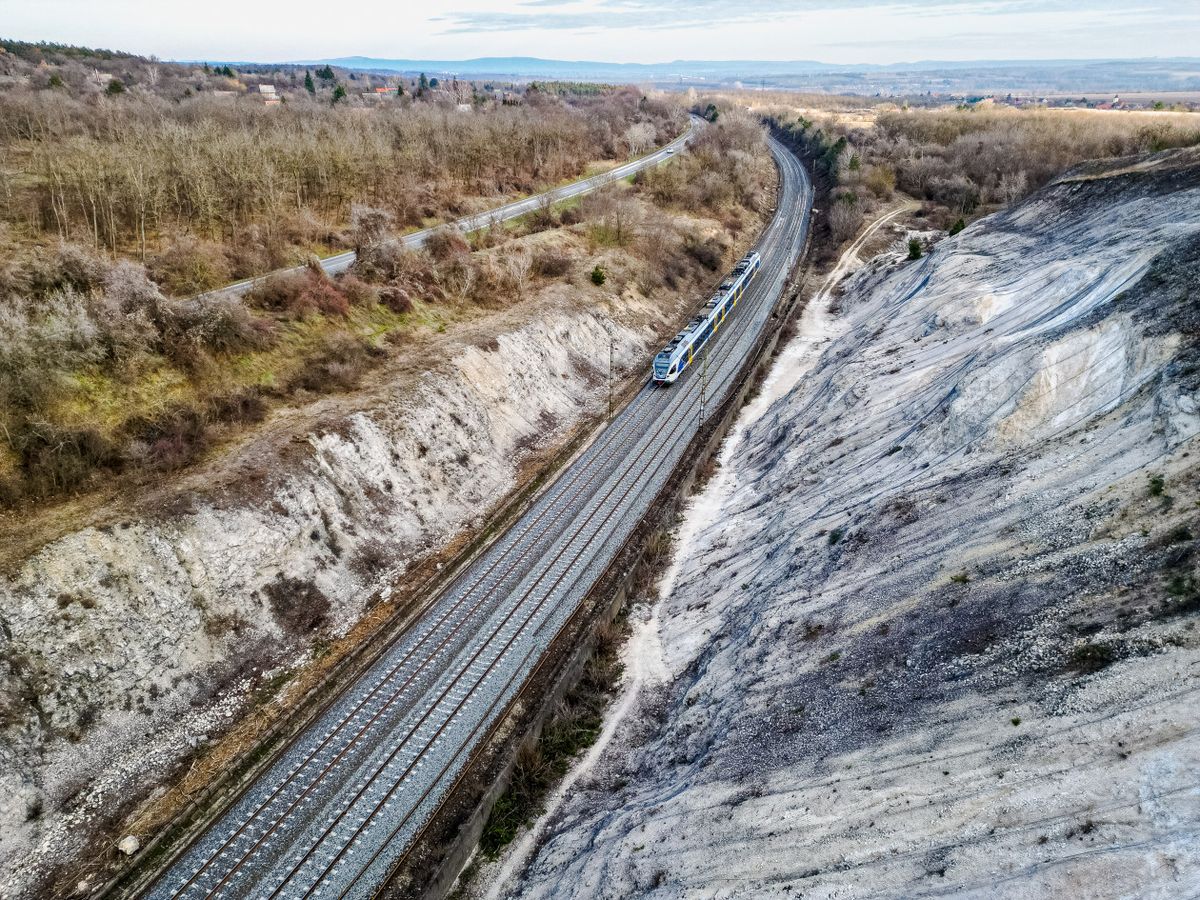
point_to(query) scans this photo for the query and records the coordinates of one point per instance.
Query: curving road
(342, 261)
(340, 806)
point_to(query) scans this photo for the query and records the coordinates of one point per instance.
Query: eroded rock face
(125, 646)
(941, 635)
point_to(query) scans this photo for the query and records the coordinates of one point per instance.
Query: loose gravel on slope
(940, 637)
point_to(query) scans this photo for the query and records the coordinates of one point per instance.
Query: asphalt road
(342, 261)
(332, 815)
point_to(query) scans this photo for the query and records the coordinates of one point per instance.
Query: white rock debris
(124, 647)
(933, 629)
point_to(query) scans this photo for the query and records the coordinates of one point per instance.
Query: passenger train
(676, 356)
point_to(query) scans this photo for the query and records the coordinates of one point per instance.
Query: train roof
(713, 302)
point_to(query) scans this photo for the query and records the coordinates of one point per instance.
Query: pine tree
(308, 82)
(339, 93)
(400, 89)
(422, 84)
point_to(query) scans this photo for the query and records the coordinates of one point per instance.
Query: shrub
(277, 293)
(708, 252)
(129, 289)
(598, 276)
(190, 266)
(220, 323)
(391, 261)
(338, 364)
(958, 226)
(881, 181)
(396, 299)
(1157, 485)
(70, 268)
(369, 226)
(244, 406)
(371, 558)
(56, 459)
(168, 439)
(446, 242)
(40, 344)
(551, 263)
(1092, 657)
(299, 294)
(357, 291)
(915, 250)
(844, 220)
(299, 606)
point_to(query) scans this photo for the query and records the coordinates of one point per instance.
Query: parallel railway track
(341, 804)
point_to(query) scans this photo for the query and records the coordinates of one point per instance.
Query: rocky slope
(127, 643)
(937, 634)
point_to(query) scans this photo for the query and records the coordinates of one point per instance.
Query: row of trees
(963, 161)
(967, 157)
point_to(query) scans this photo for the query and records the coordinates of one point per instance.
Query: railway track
(331, 816)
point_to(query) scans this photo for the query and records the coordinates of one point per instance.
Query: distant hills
(1053, 75)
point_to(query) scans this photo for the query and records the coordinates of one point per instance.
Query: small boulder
(129, 845)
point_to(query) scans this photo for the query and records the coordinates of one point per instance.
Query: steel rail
(594, 465)
(679, 436)
(557, 491)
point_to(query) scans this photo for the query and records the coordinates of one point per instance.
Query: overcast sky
(617, 30)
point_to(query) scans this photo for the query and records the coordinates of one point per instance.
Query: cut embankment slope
(940, 636)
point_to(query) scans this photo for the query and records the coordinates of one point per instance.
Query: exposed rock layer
(940, 637)
(125, 645)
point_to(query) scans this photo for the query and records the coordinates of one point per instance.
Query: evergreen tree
(339, 93)
(422, 84)
(325, 73)
(400, 89)
(308, 82)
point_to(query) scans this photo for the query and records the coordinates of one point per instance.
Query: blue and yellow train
(677, 355)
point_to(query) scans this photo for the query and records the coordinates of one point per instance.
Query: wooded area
(116, 208)
(963, 161)
(256, 184)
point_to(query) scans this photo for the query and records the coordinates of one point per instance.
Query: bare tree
(519, 266)
(1013, 186)
(640, 137)
(844, 220)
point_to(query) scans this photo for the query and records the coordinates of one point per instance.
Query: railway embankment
(171, 631)
(577, 670)
(933, 627)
